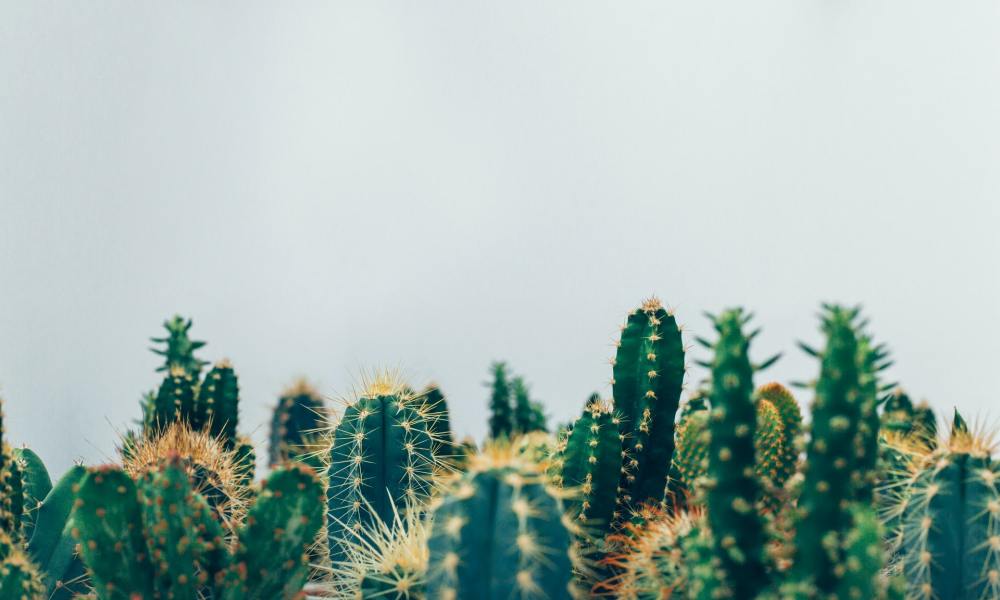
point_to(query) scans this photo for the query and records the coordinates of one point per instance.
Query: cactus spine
(380, 459)
(298, 416)
(732, 490)
(648, 377)
(500, 533)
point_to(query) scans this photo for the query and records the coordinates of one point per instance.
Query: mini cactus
(298, 416)
(500, 533)
(648, 378)
(380, 459)
(179, 348)
(732, 490)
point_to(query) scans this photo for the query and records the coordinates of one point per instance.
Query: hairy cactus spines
(833, 474)
(52, 546)
(271, 557)
(589, 461)
(174, 401)
(501, 411)
(770, 443)
(214, 472)
(299, 414)
(500, 533)
(950, 543)
(19, 578)
(732, 489)
(648, 378)
(791, 420)
(381, 459)
(218, 403)
(106, 523)
(179, 349)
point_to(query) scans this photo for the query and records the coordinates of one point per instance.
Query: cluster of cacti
(731, 498)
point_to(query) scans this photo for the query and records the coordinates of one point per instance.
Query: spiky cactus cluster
(158, 537)
(295, 422)
(498, 534)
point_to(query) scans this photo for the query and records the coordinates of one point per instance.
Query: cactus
(19, 579)
(500, 533)
(864, 557)
(179, 348)
(298, 415)
(380, 459)
(161, 539)
(791, 420)
(174, 401)
(36, 485)
(835, 467)
(529, 415)
(52, 546)
(441, 425)
(732, 490)
(218, 403)
(648, 377)
(501, 413)
(589, 461)
(950, 543)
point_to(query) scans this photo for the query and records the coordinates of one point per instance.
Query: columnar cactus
(299, 415)
(835, 469)
(501, 412)
(500, 533)
(732, 489)
(529, 415)
(440, 426)
(864, 558)
(791, 419)
(648, 377)
(381, 459)
(160, 538)
(589, 462)
(218, 403)
(950, 542)
(174, 401)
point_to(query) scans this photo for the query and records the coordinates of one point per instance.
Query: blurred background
(331, 187)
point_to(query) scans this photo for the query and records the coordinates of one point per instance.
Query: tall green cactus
(950, 543)
(440, 425)
(36, 485)
(174, 401)
(381, 458)
(299, 415)
(648, 377)
(161, 539)
(500, 533)
(218, 403)
(836, 468)
(589, 462)
(501, 411)
(732, 489)
(179, 349)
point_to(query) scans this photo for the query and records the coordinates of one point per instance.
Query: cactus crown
(179, 349)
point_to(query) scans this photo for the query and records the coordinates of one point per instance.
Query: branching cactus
(500, 533)
(179, 348)
(732, 489)
(589, 462)
(648, 377)
(298, 416)
(950, 542)
(836, 468)
(161, 539)
(380, 460)
(218, 403)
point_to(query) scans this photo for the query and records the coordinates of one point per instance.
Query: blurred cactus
(52, 546)
(791, 419)
(648, 377)
(297, 418)
(529, 415)
(19, 579)
(501, 411)
(380, 460)
(440, 426)
(179, 349)
(500, 533)
(218, 403)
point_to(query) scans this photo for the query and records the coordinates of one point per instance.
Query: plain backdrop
(333, 187)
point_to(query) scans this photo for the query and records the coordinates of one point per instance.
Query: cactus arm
(271, 560)
(52, 546)
(37, 485)
(106, 520)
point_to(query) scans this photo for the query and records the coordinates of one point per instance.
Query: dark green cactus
(218, 403)
(298, 416)
(529, 415)
(174, 401)
(500, 534)
(179, 349)
(501, 412)
(732, 489)
(381, 460)
(951, 522)
(864, 558)
(589, 462)
(440, 425)
(36, 485)
(648, 377)
(52, 546)
(835, 471)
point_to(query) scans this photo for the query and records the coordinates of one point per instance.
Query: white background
(331, 187)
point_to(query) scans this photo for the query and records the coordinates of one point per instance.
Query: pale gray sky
(328, 187)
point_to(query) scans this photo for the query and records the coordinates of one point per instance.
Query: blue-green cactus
(297, 418)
